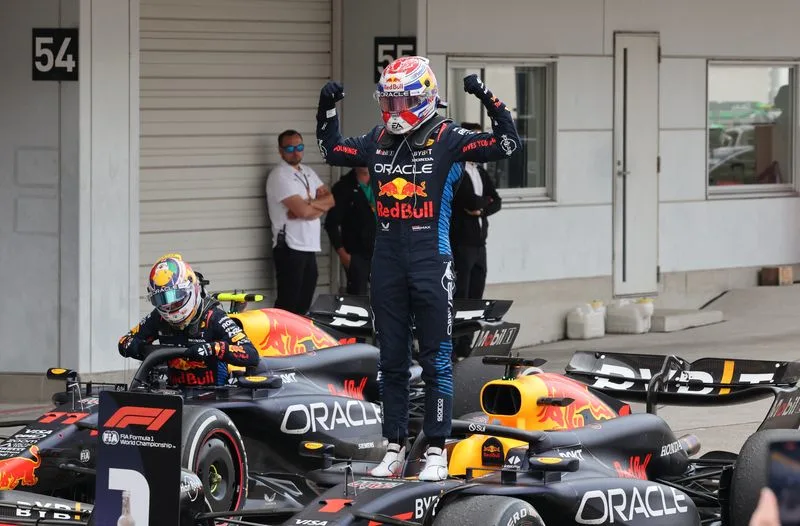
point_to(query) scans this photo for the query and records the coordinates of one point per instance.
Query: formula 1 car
(550, 449)
(554, 451)
(308, 385)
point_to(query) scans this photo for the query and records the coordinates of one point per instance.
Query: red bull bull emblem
(399, 188)
(183, 364)
(585, 409)
(20, 470)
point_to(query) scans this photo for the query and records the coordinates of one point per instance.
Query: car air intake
(501, 399)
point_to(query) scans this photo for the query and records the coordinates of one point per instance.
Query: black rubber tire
(750, 473)
(469, 376)
(487, 510)
(213, 449)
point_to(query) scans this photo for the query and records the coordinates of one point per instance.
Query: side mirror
(58, 373)
(318, 450)
(260, 382)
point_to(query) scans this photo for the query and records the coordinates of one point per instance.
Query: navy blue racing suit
(212, 327)
(414, 178)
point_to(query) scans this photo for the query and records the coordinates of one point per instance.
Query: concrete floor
(760, 323)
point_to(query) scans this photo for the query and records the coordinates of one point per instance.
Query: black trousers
(470, 263)
(358, 274)
(296, 273)
(409, 285)
(470, 266)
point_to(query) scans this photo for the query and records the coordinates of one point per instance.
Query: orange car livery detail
(275, 332)
(585, 409)
(20, 470)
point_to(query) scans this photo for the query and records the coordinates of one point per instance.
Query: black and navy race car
(317, 380)
(550, 448)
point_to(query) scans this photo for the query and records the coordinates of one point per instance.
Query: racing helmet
(407, 94)
(174, 290)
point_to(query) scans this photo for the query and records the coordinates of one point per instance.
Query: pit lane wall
(86, 292)
(551, 254)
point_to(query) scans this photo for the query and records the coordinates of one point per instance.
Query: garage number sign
(388, 49)
(55, 54)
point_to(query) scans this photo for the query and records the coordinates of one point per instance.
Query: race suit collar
(418, 139)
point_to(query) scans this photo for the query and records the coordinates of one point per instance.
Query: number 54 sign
(388, 49)
(55, 54)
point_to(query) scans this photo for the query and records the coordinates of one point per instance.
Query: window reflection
(524, 90)
(750, 124)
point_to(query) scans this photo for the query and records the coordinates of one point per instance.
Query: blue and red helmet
(174, 290)
(407, 94)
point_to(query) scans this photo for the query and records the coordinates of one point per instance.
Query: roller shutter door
(219, 81)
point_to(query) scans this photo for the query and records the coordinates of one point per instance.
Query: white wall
(363, 20)
(109, 221)
(70, 211)
(572, 237)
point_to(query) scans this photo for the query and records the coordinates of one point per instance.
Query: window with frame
(527, 90)
(751, 121)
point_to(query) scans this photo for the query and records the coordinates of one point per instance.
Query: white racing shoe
(392, 462)
(435, 465)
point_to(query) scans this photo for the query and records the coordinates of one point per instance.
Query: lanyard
(304, 181)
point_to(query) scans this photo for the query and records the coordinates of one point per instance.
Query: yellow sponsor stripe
(727, 376)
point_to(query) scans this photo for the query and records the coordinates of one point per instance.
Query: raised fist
(475, 86)
(331, 93)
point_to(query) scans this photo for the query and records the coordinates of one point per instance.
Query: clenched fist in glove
(331, 93)
(475, 86)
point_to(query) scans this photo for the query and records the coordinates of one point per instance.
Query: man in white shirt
(296, 198)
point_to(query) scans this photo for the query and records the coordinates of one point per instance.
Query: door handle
(623, 173)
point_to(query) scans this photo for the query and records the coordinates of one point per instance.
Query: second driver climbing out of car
(414, 159)
(184, 315)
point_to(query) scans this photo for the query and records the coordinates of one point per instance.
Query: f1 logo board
(139, 458)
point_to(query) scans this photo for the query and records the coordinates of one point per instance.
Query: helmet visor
(169, 300)
(398, 104)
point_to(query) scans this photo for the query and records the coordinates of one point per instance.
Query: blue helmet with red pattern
(407, 94)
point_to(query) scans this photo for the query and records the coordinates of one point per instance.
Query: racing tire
(212, 447)
(750, 473)
(487, 510)
(469, 376)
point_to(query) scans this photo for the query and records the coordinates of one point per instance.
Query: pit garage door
(219, 82)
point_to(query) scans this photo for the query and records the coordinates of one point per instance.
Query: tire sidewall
(487, 510)
(203, 423)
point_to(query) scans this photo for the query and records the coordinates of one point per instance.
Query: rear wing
(348, 318)
(707, 381)
(352, 314)
(652, 378)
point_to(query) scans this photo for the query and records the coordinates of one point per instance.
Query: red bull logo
(20, 470)
(400, 189)
(637, 468)
(585, 409)
(182, 364)
(350, 389)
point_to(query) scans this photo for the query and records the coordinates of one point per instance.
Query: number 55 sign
(55, 54)
(388, 49)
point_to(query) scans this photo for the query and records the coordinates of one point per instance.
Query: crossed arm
(300, 208)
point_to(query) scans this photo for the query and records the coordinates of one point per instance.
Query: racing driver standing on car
(415, 165)
(185, 316)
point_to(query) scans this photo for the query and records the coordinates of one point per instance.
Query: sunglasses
(291, 149)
